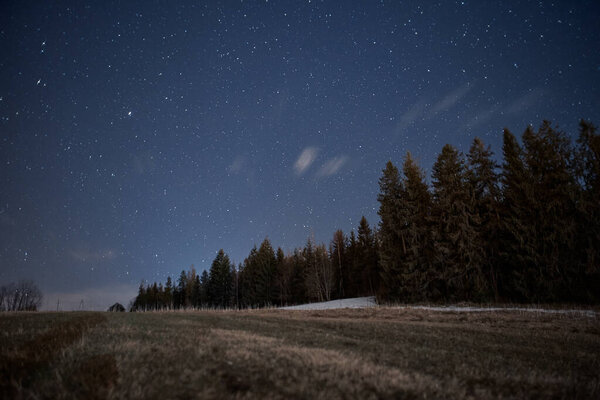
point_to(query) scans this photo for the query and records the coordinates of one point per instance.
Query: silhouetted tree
(392, 242)
(21, 296)
(486, 197)
(413, 214)
(367, 270)
(457, 259)
(219, 281)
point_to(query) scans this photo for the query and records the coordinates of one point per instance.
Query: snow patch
(587, 313)
(357, 302)
(364, 302)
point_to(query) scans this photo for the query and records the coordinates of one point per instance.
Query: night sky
(138, 138)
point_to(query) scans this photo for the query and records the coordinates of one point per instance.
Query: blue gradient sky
(138, 138)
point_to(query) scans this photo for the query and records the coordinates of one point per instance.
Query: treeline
(348, 268)
(525, 230)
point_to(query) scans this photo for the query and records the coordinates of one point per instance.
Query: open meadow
(382, 352)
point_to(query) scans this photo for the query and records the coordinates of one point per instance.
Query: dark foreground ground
(367, 353)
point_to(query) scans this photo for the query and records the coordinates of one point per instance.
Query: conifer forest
(525, 230)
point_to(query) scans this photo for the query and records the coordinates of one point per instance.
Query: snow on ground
(363, 302)
(587, 313)
(357, 302)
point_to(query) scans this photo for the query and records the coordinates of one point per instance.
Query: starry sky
(140, 137)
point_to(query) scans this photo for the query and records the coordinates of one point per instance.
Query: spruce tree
(311, 278)
(283, 278)
(549, 161)
(205, 300)
(393, 244)
(367, 271)
(352, 279)
(249, 279)
(588, 237)
(338, 259)
(181, 290)
(457, 259)
(139, 303)
(161, 297)
(265, 279)
(219, 281)
(413, 211)
(169, 294)
(196, 289)
(486, 191)
(298, 284)
(516, 242)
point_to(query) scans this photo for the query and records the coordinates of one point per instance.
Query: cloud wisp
(425, 111)
(483, 117)
(525, 101)
(450, 99)
(517, 106)
(332, 166)
(306, 158)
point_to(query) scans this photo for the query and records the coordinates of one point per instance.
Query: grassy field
(366, 353)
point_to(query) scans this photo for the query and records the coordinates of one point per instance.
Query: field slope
(360, 353)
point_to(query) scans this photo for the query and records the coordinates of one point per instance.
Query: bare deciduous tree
(22, 296)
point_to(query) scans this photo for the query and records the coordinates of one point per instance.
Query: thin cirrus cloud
(423, 110)
(531, 97)
(451, 99)
(332, 166)
(519, 105)
(305, 160)
(483, 117)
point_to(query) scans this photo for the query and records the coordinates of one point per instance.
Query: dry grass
(383, 352)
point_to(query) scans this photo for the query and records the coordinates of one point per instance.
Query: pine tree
(196, 289)
(219, 281)
(484, 182)
(189, 286)
(412, 212)
(352, 279)
(249, 277)
(367, 271)
(457, 258)
(337, 251)
(161, 297)
(205, 300)
(283, 278)
(393, 244)
(549, 160)
(181, 291)
(265, 279)
(588, 236)
(298, 284)
(516, 250)
(237, 293)
(311, 277)
(169, 294)
(140, 302)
